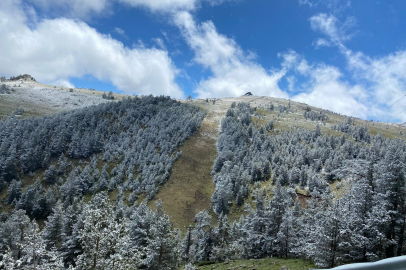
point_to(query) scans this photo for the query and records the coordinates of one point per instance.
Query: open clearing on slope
(190, 185)
(261, 264)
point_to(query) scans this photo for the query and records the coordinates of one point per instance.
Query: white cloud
(291, 83)
(120, 31)
(233, 72)
(327, 90)
(323, 86)
(59, 49)
(384, 77)
(321, 42)
(170, 5)
(63, 83)
(290, 58)
(160, 43)
(306, 2)
(86, 9)
(82, 9)
(334, 96)
(327, 24)
(334, 5)
(293, 60)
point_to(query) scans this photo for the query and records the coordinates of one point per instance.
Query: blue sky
(344, 56)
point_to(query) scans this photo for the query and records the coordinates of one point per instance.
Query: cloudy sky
(344, 56)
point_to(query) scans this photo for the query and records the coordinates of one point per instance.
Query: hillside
(37, 99)
(242, 178)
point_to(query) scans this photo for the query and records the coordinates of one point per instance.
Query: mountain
(151, 182)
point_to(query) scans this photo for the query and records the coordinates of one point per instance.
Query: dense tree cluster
(130, 144)
(365, 223)
(22, 77)
(295, 157)
(315, 116)
(358, 133)
(96, 235)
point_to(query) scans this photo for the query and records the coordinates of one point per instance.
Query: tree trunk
(160, 254)
(401, 237)
(95, 254)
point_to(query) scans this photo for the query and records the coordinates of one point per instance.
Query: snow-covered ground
(41, 99)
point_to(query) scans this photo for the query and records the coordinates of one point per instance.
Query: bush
(109, 96)
(18, 111)
(5, 89)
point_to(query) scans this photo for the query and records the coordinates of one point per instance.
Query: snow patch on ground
(51, 99)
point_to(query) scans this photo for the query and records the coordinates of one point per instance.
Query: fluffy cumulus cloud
(233, 72)
(324, 86)
(58, 49)
(384, 77)
(327, 90)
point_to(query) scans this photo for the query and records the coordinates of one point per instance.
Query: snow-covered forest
(363, 220)
(333, 198)
(51, 166)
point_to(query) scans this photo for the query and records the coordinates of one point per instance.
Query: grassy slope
(261, 264)
(190, 186)
(8, 104)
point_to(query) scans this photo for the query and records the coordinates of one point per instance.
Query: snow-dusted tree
(327, 232)
(34, 254)
(53, 231)
(50, 175)
(221, 240)
(201, 236)
(12, 233)
(163, 247)
(286, 236)
(14, 191)
(105, 241)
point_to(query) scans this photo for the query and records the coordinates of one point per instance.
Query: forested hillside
(75, 187)
(48, 164)
(359, 218)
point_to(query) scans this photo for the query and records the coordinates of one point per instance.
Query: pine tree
(53, 232)
(105, 241)
(14, 191)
